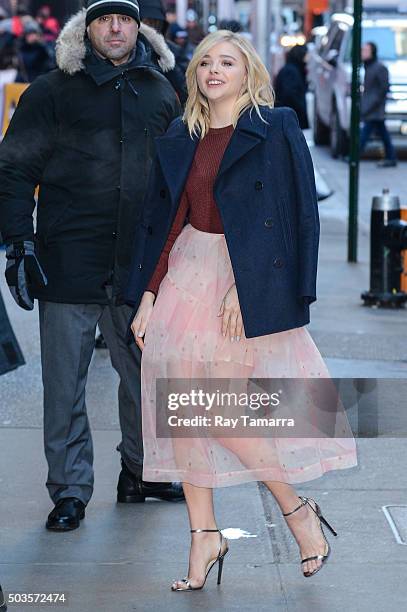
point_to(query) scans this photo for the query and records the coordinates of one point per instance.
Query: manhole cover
(397, 519)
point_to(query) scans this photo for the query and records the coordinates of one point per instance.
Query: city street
(124, 557)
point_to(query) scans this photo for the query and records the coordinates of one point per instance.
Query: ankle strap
(304, 501)
(207, 530)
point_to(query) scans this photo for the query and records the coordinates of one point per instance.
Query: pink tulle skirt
(183, 340)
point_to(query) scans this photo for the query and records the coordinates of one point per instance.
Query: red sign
(318, 6)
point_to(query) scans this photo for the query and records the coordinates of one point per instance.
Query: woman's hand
(232, 317)
(140, 321)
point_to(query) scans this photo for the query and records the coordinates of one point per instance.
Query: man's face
(366, 53)
(113, 37)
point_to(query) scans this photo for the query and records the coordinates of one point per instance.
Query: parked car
(330, 76)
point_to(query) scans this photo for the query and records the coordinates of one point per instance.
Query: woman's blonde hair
(258, 90)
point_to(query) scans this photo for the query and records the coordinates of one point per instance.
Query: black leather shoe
(132, 489)
(66, 515)
(3, 606)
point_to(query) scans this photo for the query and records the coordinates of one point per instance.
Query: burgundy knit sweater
(197, 201)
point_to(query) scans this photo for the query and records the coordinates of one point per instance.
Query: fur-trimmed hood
(71, 48)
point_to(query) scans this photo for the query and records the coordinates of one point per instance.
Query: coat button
(114, 235)
(150, 230)
(258, 185)
(118, 187)
(140, 266)
(268, 223)
(278, 263)
(163, 193)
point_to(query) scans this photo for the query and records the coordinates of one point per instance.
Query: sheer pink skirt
(183, 340)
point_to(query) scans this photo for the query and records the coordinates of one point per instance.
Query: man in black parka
(85, 134)
(373, 104)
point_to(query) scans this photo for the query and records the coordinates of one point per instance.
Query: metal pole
(276, 15)
(262, 27)
(354, 133)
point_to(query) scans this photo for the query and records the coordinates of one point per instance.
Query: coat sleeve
(24, 152)
(176, 228)
(308, 216)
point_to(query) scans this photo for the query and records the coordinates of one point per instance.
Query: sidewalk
(124, 558)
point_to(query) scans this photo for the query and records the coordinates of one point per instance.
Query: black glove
(23, 269)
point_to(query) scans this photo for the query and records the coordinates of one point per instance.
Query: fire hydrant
(388, 238)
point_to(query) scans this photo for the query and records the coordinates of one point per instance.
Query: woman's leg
(303, 523)
(204, 546)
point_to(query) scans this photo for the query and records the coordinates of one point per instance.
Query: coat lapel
(176, 150)
(248, 133)
(176, 153)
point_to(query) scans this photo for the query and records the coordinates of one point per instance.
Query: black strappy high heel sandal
(321, 519)
(210, 565)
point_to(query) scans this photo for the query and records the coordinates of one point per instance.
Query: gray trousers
(67, 333)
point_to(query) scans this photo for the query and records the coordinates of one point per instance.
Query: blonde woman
(223, 276)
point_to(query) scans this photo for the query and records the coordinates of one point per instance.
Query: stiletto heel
(220, 568)
(219, 559)
(325, 522)
(321, 519)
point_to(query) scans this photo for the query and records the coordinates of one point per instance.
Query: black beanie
(97, 8)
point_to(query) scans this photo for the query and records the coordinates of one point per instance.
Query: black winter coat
(290, 88)
(87, 139)
(34, 60)
(375, 88)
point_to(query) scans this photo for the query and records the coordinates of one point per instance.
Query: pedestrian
(33, 56)
(152, 15)
(373, 104)
(48, 23)
(85, 133)
(290, 85)
(195, 31)
(223, 275)
(50, 28)
(181, 39)
(171, 18)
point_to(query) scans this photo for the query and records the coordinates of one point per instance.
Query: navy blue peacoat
(265, 191)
